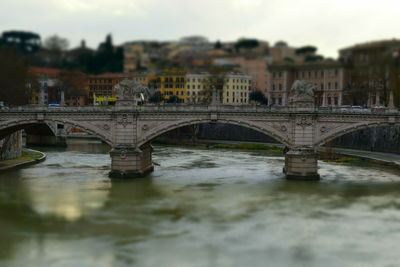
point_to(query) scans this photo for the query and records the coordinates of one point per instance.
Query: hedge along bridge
(129, 129)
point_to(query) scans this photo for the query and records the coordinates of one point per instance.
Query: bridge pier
(301, 164)
(131, 162)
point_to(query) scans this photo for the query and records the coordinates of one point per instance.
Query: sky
(328, 24)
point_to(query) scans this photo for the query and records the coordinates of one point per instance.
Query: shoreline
(29, 157)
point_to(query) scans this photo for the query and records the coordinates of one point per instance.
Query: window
(280, 87)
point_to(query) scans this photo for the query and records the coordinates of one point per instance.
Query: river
(199, 208)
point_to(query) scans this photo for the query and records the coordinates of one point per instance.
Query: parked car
(379, 109)
(345, 108)
(322, 108)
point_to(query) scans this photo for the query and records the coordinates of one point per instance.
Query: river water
(199, 208)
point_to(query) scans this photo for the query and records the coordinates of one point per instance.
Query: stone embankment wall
(11, 146)
(384, 139)
(219, 131)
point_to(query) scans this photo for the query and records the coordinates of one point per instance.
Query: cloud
(328, 24)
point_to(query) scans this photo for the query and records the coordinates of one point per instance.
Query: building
(329, 78)
(102, 85)
(172, 83)
(48, 90)
(256, 67)
(374, 72)
(235, 87)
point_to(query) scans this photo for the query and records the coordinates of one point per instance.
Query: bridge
(129, 129)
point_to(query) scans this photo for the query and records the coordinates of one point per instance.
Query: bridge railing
(193, 108)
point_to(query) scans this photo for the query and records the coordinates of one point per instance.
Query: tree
(54, 51)
(56, 43)
(215, 80)
(14, 77)
(309, 49)
(24, 42)
(218, 45)
(72, 83)
(174, 99)
(259, 97)
(247, 44)
(107, 58)
(156, 97)
(376, 75)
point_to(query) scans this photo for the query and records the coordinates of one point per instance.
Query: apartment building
(235, 87)
(329, 78)
(172, 83)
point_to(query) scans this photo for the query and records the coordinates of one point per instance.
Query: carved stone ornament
(145, 127)
(123, 154)
(304, 121)
(124, 120)
(283, 128)
(106, 127)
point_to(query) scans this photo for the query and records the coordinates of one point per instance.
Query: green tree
(14, 77)
(215, 80)
(156, 97)
(174, 99)
(259, 97)
(72, 83)
(24, 42)
(309, 49)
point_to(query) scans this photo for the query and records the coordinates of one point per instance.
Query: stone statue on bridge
(131, 90)
(302, 95)
(300, 89)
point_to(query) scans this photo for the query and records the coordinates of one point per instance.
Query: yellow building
(236, 88)
(172, 83)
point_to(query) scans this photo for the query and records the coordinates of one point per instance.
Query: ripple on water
(199, 208)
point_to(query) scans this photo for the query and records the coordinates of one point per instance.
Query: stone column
(369, 101)
(62, 98)
(301, 164)
(324, 99)
(340, 98)
(377, 99)
(130, 162)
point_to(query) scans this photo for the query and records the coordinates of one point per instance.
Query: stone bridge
(129, 129)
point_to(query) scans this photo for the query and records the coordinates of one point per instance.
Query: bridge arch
(266, 129)
(8, 127)
(349, 128)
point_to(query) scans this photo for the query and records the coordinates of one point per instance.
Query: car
(324, 109)
(345, 108)
(54, 106)
(379, 109)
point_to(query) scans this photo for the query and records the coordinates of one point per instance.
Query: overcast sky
(328, 24)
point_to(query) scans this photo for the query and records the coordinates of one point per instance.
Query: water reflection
(199, 208)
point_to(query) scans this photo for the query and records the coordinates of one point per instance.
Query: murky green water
(199, 208)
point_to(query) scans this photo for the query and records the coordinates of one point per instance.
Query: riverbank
(29, 157)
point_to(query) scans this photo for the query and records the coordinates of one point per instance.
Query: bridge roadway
(130, 129)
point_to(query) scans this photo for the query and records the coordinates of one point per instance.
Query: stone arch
(164, 128)
(7, 127)
(348, 128)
